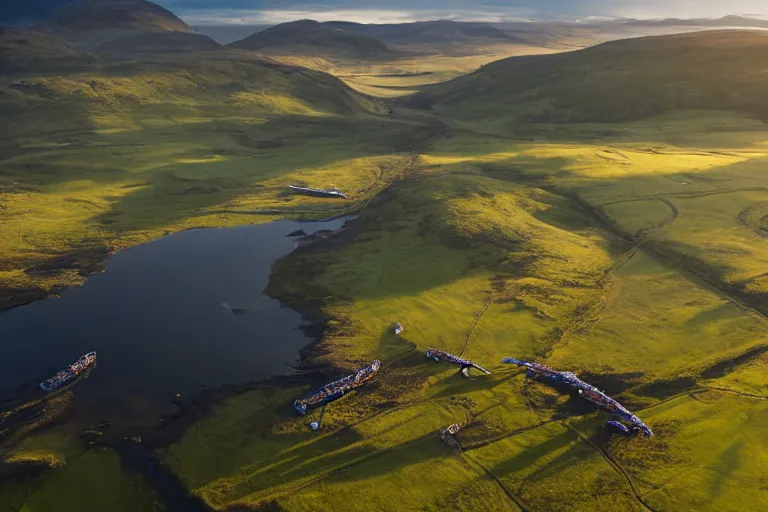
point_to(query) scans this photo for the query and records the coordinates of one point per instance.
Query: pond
(170, 316)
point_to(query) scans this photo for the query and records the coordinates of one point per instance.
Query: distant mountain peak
(309, 37)
(91, 15)
(434, 32)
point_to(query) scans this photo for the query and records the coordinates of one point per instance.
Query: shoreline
(143, 457)
(89, 264)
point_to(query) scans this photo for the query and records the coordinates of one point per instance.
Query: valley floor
(404, 75)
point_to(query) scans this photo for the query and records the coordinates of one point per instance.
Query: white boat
(331, 192)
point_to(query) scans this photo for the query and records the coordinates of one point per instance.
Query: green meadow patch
(92, 480)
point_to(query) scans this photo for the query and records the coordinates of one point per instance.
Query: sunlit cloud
(258, 17)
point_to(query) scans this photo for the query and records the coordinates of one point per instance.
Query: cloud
(269, 16)
(369, 15)
(392, 10)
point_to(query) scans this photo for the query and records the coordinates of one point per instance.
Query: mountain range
(616, 81)
(308, 37)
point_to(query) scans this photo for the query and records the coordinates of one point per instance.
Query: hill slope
(88, 15)
(724, 22)
(24, 50)
(429, 32)
(621, 80)
(143, 42)
(310, 38)
(122, 26)
(203, 88)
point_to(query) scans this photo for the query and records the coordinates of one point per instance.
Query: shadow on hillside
(334, 454)
(374, 465)
(416, 451)
(457, 384)
(532, 454)
(306, 461)
(392, 346)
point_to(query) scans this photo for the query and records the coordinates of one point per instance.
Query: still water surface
(156, 319)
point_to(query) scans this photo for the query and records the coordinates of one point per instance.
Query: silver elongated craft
(330, 192)
(69, 373)
(466, 364)
(337, 389)
(591, 393)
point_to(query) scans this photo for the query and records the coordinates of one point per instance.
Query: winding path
(474, 325)
(661, 199)
(746, 218)
(515, 499)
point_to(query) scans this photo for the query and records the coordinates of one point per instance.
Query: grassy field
(617, 81)
(91, 481)
(546, 250)
(632, 253)
(402, 75)
(690, 186)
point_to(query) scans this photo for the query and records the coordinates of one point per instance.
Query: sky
(398, 11)
(196, 12)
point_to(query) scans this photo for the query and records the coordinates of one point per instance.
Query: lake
(156, 319)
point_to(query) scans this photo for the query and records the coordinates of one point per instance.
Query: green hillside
(122, 27)
(89, 15)
(157, 42)
(616, 81)
(431, 33)
(22, 50)
(310, 38)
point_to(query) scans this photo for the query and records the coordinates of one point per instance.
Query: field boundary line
(515, 499)
(613, 464)
(734, 392)
(658, 255)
